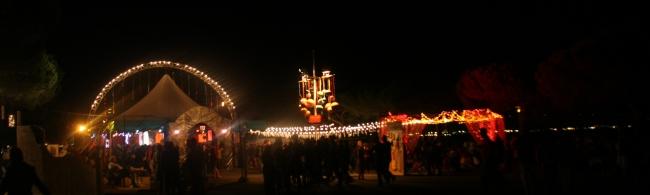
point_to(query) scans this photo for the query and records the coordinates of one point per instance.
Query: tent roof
(165, 102)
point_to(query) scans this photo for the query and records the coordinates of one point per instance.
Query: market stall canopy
(163, 104)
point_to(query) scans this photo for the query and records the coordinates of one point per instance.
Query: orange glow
(201, 137)
(159, 137)
(395, 118)
(81, 128)
(313, 119)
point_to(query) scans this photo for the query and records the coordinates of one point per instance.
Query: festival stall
(405, 132)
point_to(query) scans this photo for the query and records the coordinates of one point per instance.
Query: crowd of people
(442, 156)
(299, 163)
(164, 165)
(552, 162)
(294, 163)
(539, 162)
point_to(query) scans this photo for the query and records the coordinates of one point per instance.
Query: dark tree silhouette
(28, 82)
(29, 75)
(495, 86)
(593, 76)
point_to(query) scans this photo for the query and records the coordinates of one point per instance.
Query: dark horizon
(415, 52)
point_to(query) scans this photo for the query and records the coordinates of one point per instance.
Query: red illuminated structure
(474, 120)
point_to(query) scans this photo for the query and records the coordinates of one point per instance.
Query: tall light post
(98, 163)
(242, 151)
(520, 119)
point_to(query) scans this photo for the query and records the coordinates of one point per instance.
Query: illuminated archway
(227, 102)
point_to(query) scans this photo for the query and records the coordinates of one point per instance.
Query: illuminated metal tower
(317, 94)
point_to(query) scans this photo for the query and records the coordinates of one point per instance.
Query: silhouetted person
(115, 171)
(524, 145)
(136, 166)
(382, 161)
(362, 159)
(268, 169)
(342, 171)
(282, 167)
(388, 158)
(169, 170)
(195, 167)
(492, 153)
(20, 176)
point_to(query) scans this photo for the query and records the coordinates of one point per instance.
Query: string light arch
(227, 101)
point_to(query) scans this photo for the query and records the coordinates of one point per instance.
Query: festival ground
(459, 183)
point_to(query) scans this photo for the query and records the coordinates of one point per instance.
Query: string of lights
(228, 103)
(319, 131)
(465, 116)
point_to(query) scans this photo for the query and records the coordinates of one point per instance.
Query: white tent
(163, 106)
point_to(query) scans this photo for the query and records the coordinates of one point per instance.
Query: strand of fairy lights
(163, 64)
(319, 131)
(466, 116)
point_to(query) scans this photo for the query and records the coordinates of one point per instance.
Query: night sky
(417, 51)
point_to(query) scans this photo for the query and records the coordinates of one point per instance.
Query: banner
(396, 137)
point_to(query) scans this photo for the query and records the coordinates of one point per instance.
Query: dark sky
(418, 50)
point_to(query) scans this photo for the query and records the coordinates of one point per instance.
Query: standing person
(20, 176)
(268, 169)
(491, 153)
(362, 159)
(282, 167)
(252, 156)
(217, 155)
(169, 169)
(382, 160)
(427, 155)
(342, 171)
(135, 168)
(220, 154)
(388, 157)
(195, 165)
(115, 172)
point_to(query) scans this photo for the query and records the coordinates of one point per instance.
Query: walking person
(20, 176)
